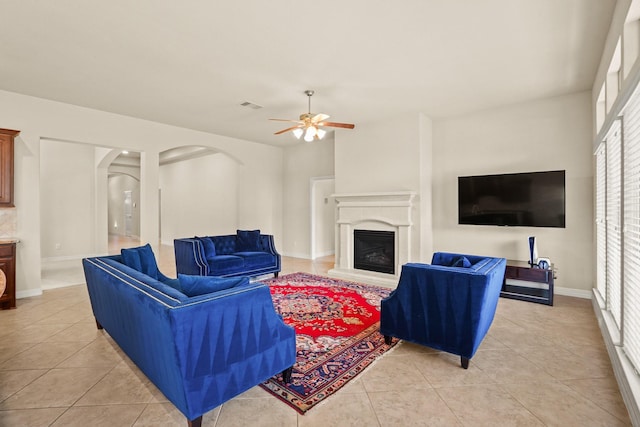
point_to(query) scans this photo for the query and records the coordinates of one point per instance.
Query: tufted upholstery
(199, 351)
(228, 262)
(443, 307)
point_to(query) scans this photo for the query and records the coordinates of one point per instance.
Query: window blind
(613, 222)
(601, 225)
(631, 230)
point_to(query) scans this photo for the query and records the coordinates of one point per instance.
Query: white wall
(118, 184)
(260, 171)
(550, 134)
(66, 199)
(426, 189)
(199, 197)
(391, 156)
(302, 162)
(379, 157)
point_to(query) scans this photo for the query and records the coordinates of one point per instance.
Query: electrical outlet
(58, 246)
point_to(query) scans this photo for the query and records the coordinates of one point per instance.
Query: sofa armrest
(266, 244)
(230, 341)
(190, 257)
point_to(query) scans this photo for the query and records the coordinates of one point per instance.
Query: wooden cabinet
(8, 267)
(6, 167)
(527, 283)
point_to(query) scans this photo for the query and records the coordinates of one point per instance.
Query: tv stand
(528, 283)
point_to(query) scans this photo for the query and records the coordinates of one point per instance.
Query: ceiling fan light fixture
(310, 133)
(309, 124)
(308, 136)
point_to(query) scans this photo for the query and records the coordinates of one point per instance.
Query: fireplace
(393, 213)
(374, 251)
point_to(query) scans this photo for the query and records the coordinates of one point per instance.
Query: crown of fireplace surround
(391, 211)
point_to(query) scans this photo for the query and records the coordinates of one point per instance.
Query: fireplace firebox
(374, 251)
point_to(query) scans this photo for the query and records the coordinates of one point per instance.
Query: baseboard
(28, 293)
(324, 254)
(570, 292)
(68, 258)
(61, 285)
(626, 376)
(296, 255)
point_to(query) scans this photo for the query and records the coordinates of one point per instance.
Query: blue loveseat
(199, 350)
(246, 253)
(448, 305)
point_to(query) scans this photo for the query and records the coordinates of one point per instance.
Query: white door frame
(312, 193)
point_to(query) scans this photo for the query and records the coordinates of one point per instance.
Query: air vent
(251, 105)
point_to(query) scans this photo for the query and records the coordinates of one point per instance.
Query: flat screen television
(533, 199)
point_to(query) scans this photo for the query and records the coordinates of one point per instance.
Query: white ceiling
(191, 63)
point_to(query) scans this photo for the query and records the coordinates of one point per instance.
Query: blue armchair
(447, 305)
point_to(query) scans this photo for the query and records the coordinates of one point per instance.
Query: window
(631, 229)
(617, 204)
(613, 222)
(601, 223)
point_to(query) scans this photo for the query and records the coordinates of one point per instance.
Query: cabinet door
(8, 267)
(6, 170)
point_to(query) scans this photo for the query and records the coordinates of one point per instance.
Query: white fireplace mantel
(390, 211)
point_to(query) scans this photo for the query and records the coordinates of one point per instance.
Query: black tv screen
(533, 199)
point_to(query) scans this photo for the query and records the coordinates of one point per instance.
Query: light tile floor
(539, 365)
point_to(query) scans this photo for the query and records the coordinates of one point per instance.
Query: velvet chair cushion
(461, 262)
(247, 240)
(209, 247)
(225, 264)
(198, 285)
(253, 260)
(141, 259)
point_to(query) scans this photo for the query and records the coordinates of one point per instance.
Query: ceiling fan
(310, 125)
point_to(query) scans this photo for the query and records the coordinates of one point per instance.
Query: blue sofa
(199, 350)
(448, 305)
(246, 253)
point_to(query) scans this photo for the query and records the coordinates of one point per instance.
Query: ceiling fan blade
(286, 120)
(286, 130)
(319, 117)
(338, 125)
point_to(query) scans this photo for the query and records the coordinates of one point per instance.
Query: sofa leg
(197, 422)
(276, 274)
(464, 361)
(98, 324)
(388, 339)
(286, 374)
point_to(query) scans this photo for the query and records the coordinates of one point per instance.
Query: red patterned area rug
(337, 334)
